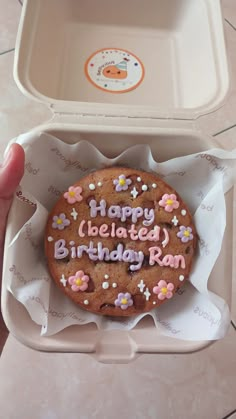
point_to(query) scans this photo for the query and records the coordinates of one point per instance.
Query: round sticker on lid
(114, 70)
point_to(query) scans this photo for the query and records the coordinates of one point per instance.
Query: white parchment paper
(201, 179)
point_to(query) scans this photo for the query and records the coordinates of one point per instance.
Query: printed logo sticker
(114, 70)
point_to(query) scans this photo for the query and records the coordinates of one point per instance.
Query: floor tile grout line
(224, 130)
(230, 24)
(229, 415)
(234, 326)
(8, 50)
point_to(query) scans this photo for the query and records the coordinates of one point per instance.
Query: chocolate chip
(89, 198)
(146, 261)
(139, 301)
(131, 272)
(107, 305)
(109, 261)
(65, 260)
(188, 250)
(148, 204)
(166, 225)
(132, 177)
(122, 203)
(91, 286)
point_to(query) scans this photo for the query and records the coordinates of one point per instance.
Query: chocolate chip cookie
(120, 242)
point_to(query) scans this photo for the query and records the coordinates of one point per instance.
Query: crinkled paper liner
(201, 180)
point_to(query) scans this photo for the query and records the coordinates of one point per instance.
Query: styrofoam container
(180, 46)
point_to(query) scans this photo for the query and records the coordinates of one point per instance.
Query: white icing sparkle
(63, 280)
(114, 285)
(72, 243)
(106, 276)
(144, 188)
(134, 192)
(154, 302)
(139, 179)
(105, 285)
(175, 221)
(74, 214)
(99, 183)
(181, 277)
(183, 212)
(141, 285)
(50, 239)
(86, 302)
(147, 294)
(154, 185)
(92, 186)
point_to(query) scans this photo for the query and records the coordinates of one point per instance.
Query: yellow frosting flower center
(72, 194)
(169, 201)
(164, 290)
(122, 182)
(59, 221)
(186, 233)
(124, 301)
(78, 282)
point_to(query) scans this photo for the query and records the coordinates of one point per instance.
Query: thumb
(11, 171)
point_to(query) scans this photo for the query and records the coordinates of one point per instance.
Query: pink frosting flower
(169, 202)
(163, 290)
(73, 194)
(79, 282)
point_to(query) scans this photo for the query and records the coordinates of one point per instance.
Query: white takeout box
(181, 44)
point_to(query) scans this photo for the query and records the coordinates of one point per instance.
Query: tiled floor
(200, 385)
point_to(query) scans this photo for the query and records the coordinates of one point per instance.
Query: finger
(11, 171)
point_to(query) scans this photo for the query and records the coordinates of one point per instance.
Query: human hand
(11, 172)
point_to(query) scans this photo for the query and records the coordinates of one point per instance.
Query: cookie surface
(120, 242)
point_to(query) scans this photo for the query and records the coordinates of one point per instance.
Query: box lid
(115, 59)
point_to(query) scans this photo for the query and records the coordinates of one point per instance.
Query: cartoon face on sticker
(114, 70)
(118, 71)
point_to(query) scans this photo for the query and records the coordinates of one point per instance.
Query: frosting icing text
(101, 253)
(97, 252)
(112, 230)
(123, 213)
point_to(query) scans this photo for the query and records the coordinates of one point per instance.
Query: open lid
(165, 60)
